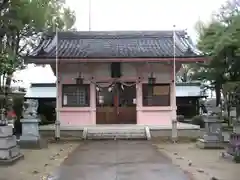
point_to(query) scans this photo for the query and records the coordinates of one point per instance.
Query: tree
(23, 23)
(185, 74)
(220, 41)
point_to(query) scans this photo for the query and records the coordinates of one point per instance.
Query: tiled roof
(115, 44)
(189, 91)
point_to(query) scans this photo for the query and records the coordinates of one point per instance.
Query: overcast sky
(131, 15)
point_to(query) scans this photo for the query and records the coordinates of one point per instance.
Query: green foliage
(237, 158)
(198, 120)
(184, 74)
(18, 105)
(18, 100)
(22, 24)
(220, 41)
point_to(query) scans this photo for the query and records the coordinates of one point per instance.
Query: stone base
(7, 162)
(30, 144)
(226, 155)
(9, 151)
(202, 144)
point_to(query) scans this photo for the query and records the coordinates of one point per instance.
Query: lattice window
(76, 95)
(156, 94)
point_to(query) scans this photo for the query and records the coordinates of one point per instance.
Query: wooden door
(116, 106)
(105, 111)
(127, 105)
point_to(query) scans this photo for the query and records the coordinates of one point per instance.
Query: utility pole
(89, 14)
(174, 104)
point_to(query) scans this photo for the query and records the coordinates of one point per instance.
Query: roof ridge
(117, 34)
(114, 34)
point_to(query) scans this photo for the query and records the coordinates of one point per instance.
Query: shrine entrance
(116, 104)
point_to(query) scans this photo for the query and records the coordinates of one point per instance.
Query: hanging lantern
(79, 79)
(151, 79)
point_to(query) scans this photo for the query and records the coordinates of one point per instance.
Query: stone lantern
(233, 148)
(9, 150)
(212, 137)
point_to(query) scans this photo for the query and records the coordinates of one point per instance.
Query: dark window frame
(146, 86)
(87, 96)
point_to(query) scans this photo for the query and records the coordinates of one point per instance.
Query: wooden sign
(160, 90)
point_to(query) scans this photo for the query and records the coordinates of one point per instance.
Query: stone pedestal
(174, 131)
(9, 151)
(30, 138)
(212, 137)
(233, 148)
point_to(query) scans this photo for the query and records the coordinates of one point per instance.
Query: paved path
(118, 160)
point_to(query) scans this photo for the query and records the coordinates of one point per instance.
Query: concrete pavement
(118, 160)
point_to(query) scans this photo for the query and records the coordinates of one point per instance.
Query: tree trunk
(228, 115)
(218, 93)
(7, 90)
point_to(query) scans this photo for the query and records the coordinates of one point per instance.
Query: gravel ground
(201, 164)
(38, 164)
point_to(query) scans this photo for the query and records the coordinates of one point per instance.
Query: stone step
(116, 130)
(116, 137)
(115, 133)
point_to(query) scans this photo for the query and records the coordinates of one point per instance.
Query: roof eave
(47, 60)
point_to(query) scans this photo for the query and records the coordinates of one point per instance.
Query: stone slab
(202, 144)
(7, 162)
(6, 131)
(39, 144)
(212, 137)
(227, 156)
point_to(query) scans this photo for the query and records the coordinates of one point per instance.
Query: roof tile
(115, 44)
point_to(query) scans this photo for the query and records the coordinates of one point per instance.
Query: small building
(188, 96)
(118, 77)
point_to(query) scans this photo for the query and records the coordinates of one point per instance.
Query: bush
(236, 158)
(46, 113)
(180, 118)
(44, 120)
(198, 120)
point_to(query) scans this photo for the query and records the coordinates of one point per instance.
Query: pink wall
(76, 115)
(101, 72)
